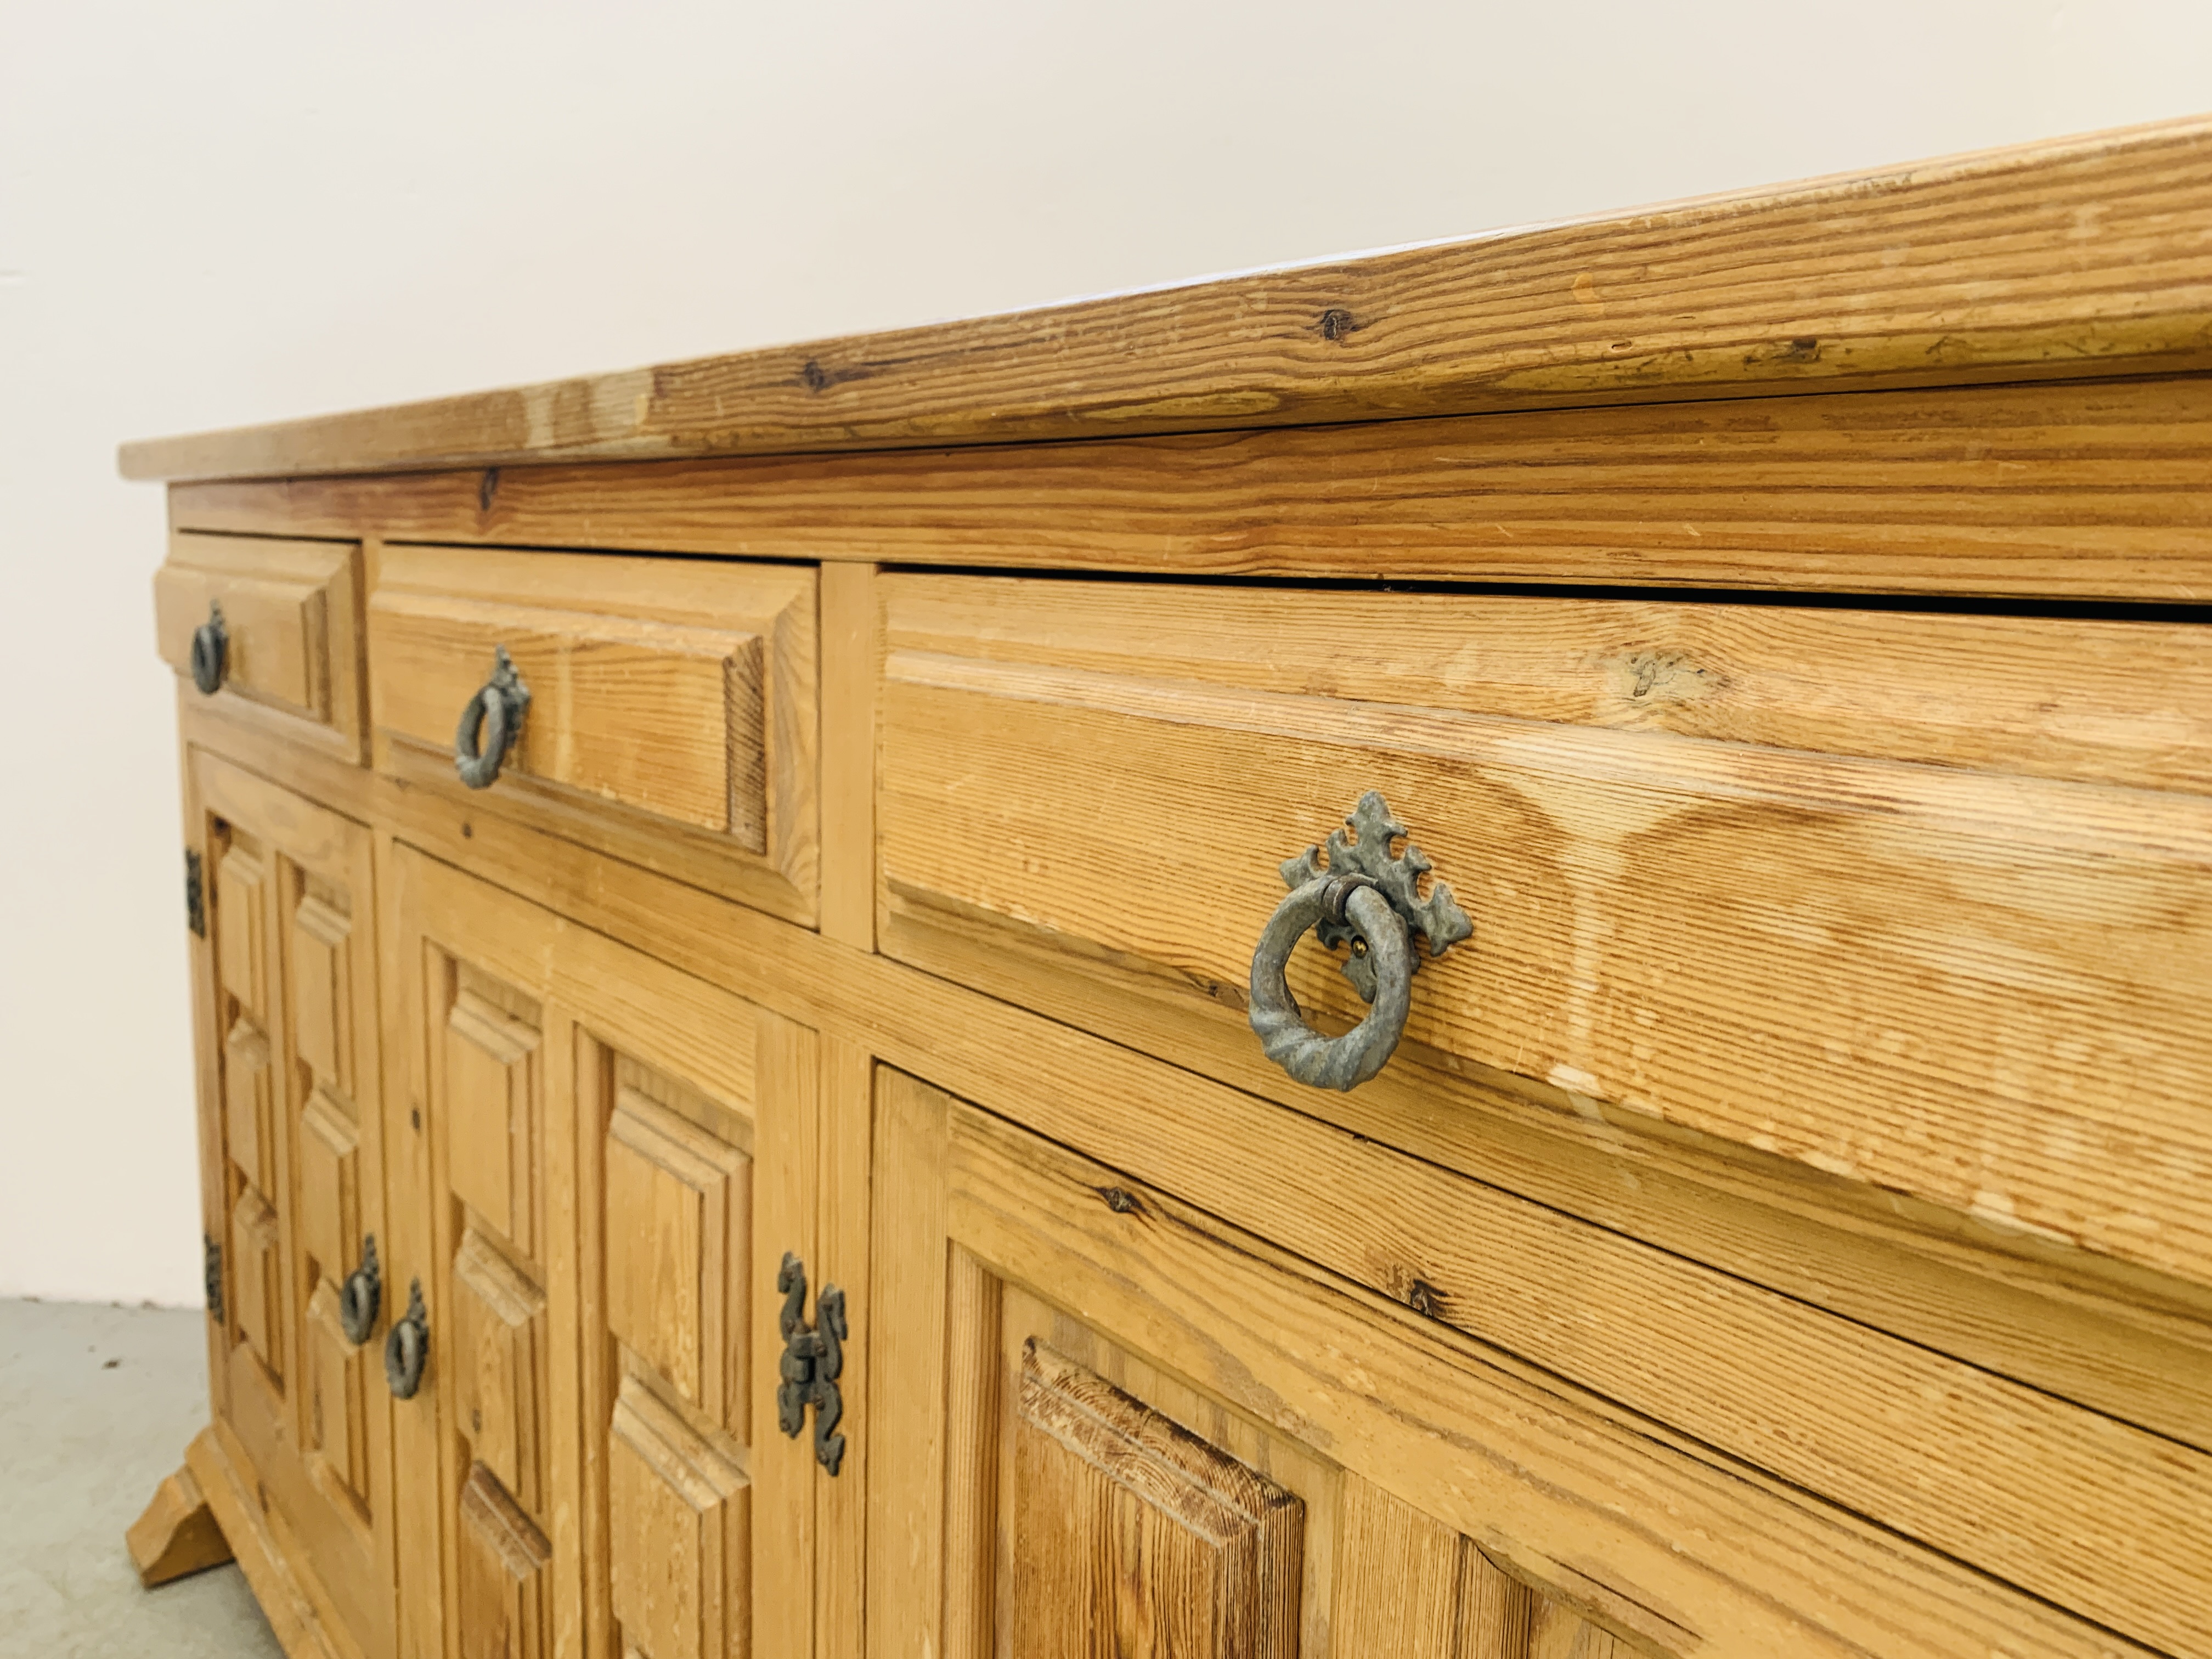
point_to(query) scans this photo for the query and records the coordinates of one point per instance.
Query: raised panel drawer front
(670, 703)
(1921, 901)
(267, 626)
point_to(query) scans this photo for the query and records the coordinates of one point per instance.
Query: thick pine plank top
(2082, 256)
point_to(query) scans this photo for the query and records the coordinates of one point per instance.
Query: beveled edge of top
(2082, 256)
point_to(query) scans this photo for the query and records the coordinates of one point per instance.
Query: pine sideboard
(1496, 951)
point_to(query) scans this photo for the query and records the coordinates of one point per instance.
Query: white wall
(230, 212)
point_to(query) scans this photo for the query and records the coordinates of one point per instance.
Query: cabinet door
(290, 1037)
(615, 1155)
(1107, 1422)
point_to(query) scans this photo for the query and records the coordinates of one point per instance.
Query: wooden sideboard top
(2086, 256)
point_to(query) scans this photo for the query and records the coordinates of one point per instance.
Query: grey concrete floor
(96, 1405)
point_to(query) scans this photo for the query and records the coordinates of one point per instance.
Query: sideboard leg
(178, 1534)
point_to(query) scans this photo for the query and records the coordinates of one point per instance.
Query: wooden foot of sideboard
(178, 1535)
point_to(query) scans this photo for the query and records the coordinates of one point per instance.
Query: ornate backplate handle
(1367, 899)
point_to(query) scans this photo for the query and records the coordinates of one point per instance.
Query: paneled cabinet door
(295, 1178)
(615, 1156)
(1107, 1422)
(1098, 1498)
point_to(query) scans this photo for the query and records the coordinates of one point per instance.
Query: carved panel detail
(337, 1374)
(321, 994)
(1132, 1534)
(330, 1211)
(246, 1097)
(241, 888)
(491, 1065)
(503, 1559)
(497, 1333)
(679, 1530)
(256, 1279)
(677, 1227)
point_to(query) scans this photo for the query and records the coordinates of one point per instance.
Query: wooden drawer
(671, 712)
(291, 621)
(1919, 901)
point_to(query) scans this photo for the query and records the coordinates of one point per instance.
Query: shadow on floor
(96, 1405)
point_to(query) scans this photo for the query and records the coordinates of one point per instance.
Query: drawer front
(671, 712)
(1918, 900)
(289, 617)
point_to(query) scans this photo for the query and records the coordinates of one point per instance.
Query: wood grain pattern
(1269, 1450)
(1146, 1292)
(678, 1242)
(293, 944)
(177, 1534)
(502, 1561)
(293, 1618)
(1049, 1075)
(2083, 255)
(652, 715)
(1131, 1533)
(1502, 1618)
(1690, 1555)
(2075, 490)
(850, 621)
(680, 1538)
(1994, 1473)
(496, 1356)
(683, 696)
(2082, 1326)
(786, 1213)
(1400, 1572)
(1910, 976)
(1955, 1458)
(291, 614)
(1413, 1586)
(494, 1091)
(844, 1243)
(620, 1034)
(419, 1434)
(2068, 697)
(2077, 1326)
(913, 1528)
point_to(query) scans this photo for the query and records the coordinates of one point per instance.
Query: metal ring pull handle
(1364, 898)
(1347, 1062)
(210, 651)
(490, 724)
(408, 1347)
(360, 1296)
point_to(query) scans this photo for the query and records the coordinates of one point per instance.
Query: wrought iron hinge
(813, 1360)
(195, 893)
(212, 1281)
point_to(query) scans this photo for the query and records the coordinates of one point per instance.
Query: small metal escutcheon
(360, 1296)
(210, 651)
(407, 1347)
(1364, 898)
(813, 1362)
(490, 724)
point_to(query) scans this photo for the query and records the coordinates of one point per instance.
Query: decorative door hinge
(813, 1360)
(195, 893)
(211, 1281)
